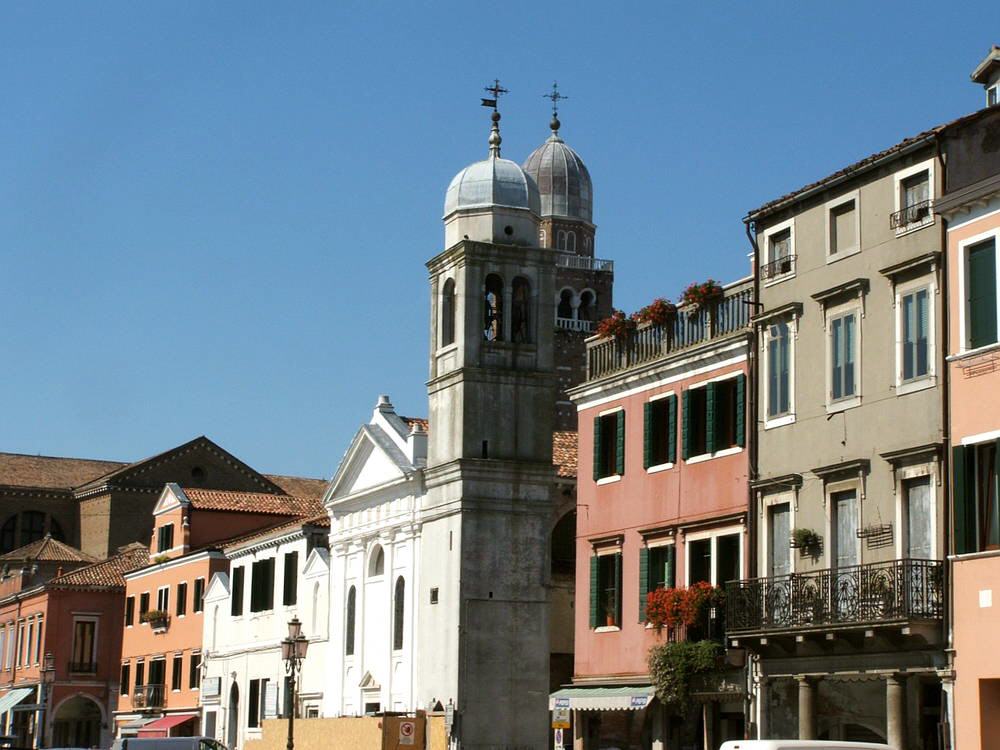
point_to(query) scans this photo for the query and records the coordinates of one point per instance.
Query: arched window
(586, 245)
(571, 242)
(27, 527)
(448, 313)
(376, 561)
(352, 596)
(520, 309)
(587, 302)
(561, 240)
(493, 309)
(565, 309)
(397, 614)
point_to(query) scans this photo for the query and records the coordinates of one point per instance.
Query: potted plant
(804, 539)
(699, 295)
(610, 615)
(658, 312)
(156, 618)
(618, 325)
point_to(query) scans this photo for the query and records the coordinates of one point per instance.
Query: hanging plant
(673, 667)
(699, 295)
(679, 606)
(804, 539)
(618, 325)
(658, 312)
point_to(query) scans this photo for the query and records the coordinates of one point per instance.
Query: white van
(801, 745)
(167, 743)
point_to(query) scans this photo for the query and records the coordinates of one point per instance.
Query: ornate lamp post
(48, 673)
(293, 651)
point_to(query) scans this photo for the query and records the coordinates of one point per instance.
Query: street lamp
(48, 674)
(293, 651)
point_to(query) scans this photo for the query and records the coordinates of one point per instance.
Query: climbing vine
(673, 667)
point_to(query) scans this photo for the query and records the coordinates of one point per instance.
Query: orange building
(164, 601)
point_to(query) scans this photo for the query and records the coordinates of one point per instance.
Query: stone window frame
(830, 206)
(768, 234)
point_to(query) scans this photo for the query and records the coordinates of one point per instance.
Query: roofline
(992, 58)
(196, 556)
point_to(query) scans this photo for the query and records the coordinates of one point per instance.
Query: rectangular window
(31, 642)
(38, 641)
(843, 228)
(656, 571)
(914, 197)
(289, 591)
(981, 281)
(605, 590)
(724, 413)
(126, 679)
(143, 603)
(976, 496)
(727, 559)
(695, 422)
(779, 401)
(843, 356)
(163, 598)
(609, 445)
(236, 604)
(660, 431)
(255, 702)
(177, 672)
(182, 598)
(20, 643)
(714, 417)
(198, 604)
(165, 538)
(993, 95)
(140, 675)
(778, 247)
(262, 585)
(84, 632)
(699, 563)
(130, 611)
(914, 329)
(194, 680)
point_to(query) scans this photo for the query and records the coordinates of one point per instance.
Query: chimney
(987, 74)
(416, 444)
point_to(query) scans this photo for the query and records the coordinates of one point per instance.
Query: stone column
(895, 711)
(763, 699)
(807, 707)
(579, 730)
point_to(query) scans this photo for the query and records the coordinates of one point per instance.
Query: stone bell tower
(489, 474)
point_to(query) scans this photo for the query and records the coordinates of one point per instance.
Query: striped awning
(634, 698)
(14, 697)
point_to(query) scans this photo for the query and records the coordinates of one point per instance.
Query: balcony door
(780, 557)
(917, 494)
(844, 506)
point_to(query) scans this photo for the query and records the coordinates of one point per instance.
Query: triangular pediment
(373, 459)
(368, 682)
(218, 587)
(318, 563)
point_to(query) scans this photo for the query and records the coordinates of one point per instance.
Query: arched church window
(587, 302)
(493, 309)
(376, 561)
(352, 596)
(565, 309)
(397, 614)
(27, 527)
(448, 313)
(520, 308)
(561, 240)
(32, 526)
(571, 242)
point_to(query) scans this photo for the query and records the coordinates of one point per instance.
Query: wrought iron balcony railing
(689, 327)
(778, 267)
(916, 214)
(889, 592)
(147, 696)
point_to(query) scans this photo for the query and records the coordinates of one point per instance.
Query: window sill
(608, 629)
(610, 480)
(660, 467)
(778, 279)
(834, 257)
(912, 386)
(843, 405)
(718, 454)
(969, 353)
(770, 424)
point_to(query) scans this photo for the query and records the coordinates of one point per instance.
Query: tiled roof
(108, 573)
(51, 472)
(564, 453)
(311, 489)
(253, 502)
(279, 529)
(48, 549)
(860, 165)
(422, 423)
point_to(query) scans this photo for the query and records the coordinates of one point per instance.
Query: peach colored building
(163, 619)
(662, 499)
(972, 209)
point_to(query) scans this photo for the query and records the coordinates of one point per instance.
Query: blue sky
(214, 217)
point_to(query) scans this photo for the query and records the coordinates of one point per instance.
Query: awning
(603, 698)
(162, 727)
(14, 697)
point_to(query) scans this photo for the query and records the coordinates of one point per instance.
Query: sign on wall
(211, 687)
(407, 731)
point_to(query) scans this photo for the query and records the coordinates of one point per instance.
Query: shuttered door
(982, 279)
(643, 581)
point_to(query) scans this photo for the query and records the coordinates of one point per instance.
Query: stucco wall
(358, 733)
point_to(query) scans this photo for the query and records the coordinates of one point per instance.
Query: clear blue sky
(214, 216)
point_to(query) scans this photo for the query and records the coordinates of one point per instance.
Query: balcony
(912, 216)
(875, 595)
(147, 696)
(571, 324)
(785, 265)
(690, 327)
(583, 263)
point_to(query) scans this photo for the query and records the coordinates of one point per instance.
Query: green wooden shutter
(710, 418)
(671, 429)
(597, 448)
(618, 589)
(686, 427)
(741, 392)
(670, 574)
(982, 294)
(647, 434)
(620, 445)
(643, 581)
(964, 513)
(594, 591)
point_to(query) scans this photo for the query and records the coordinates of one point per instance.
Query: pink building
(662, 504)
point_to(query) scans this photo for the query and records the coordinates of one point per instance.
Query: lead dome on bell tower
(564, 186)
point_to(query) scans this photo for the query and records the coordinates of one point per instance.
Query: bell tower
(489, 474)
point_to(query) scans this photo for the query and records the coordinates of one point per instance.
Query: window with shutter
(620, 443)
(740, 416)
(842, 332)
(686, 427)
(644, 581)
(696, 424)
(594, 592)
(711, 427)
(598, 453)
(981, 279)
(914, 328)
(289, 594)
(609, 445)
(236, 594)
(671, 429)
(657, 432)
(647, 434)
(778, 371)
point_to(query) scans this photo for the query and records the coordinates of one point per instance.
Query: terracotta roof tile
(108, 573)
(564, 453)
(51, 472)
(252, 502)
(48, 549)
(311, 489)
(322, 521)
(422, 423)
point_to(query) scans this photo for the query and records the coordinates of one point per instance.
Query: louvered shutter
(597, 448)
(618, 588)
(964, 513)
(620, 443)
(710, 418)
(982, 294)
(671, 429)
(643, 581)
(670, 574)
(686, 427)
(741, 390)
(647, 434)
(594, 591)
